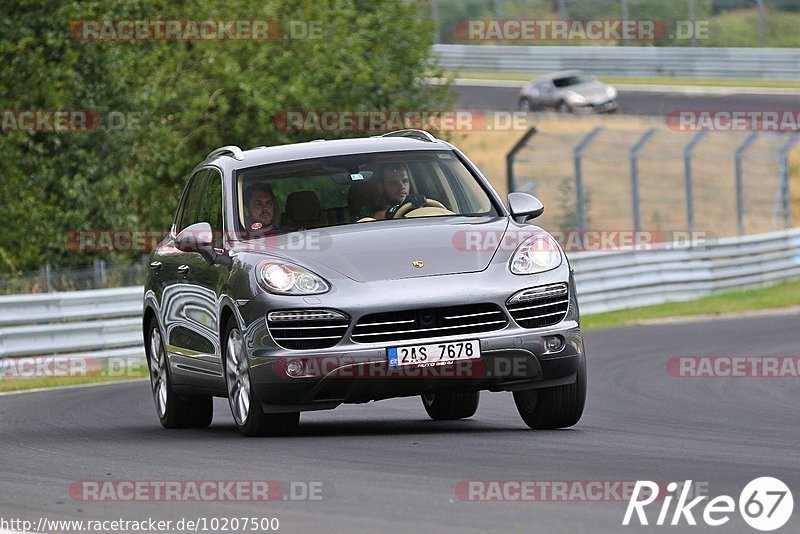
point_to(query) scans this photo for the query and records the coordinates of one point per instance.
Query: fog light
(295, 368)
(554, 343)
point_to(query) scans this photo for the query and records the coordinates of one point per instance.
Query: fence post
(761, 32)
(437, 37)
(740, 179)
(511, 156)
(634, 158)
(579, 194)
(786, 199)
(687, 169)
(48, 278)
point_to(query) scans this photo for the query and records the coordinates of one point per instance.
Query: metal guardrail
(107, 322)
(609, 281)
(95, 323)
(778, 63)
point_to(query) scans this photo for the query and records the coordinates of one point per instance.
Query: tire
(173, 410)
(450, 405)
(563, 107)
(553, 407)
(525, 105)
(249, 416)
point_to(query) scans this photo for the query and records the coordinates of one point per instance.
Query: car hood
(386, 250)
(590, 91)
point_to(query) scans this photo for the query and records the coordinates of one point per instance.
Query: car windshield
(356, 189)
(572, 80)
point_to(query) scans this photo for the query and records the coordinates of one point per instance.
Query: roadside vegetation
(176, 100)
(734, 302)
(24, 383)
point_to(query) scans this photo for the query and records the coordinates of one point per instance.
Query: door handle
(155, 265)
(183, 269)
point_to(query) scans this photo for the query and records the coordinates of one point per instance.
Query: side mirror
(199, 238)
(524, 206)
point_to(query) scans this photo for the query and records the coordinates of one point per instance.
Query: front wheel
(247, 413)
(449, 405)
(173, 410)
(553, 407)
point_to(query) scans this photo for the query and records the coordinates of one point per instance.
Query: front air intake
(539, 306)
(307, 329)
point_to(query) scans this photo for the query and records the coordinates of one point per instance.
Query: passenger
(260, 205)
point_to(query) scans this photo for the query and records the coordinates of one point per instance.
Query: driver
(395, 185)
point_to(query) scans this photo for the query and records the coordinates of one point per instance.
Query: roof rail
(230, 150)
(422, 135)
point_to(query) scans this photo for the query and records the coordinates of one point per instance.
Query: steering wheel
(408, 207)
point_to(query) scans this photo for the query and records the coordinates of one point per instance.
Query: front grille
(540, 306)
(307, 329)
(429, 322)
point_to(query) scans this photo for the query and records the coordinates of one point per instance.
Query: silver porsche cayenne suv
(304, 276)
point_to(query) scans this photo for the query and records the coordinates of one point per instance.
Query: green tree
(189, 97)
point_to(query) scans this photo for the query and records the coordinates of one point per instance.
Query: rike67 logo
(765, 504)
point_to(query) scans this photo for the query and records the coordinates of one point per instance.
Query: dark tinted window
(571, 80)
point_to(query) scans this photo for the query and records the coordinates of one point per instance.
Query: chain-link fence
(98, 275)
(657, 179)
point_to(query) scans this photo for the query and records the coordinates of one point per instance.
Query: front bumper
(599, 107)
(512, 357)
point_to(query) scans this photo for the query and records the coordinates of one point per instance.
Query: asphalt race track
(386, 468)
(651, 103)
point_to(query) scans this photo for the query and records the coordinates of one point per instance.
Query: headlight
(576, 98)
(535, 255)
(611, 92)
(289, 279)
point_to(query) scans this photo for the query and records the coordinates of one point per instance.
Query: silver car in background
(566, 92)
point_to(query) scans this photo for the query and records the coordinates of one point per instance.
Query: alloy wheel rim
(158, 373)
(238, 378)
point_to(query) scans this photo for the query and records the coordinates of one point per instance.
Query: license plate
(433, 354)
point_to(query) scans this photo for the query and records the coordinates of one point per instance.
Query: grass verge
(19, 384)
(775, 297)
